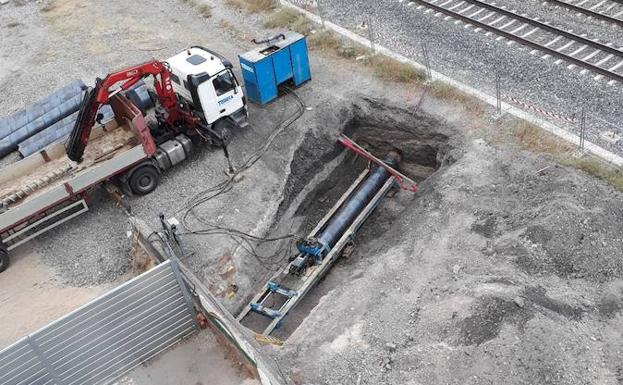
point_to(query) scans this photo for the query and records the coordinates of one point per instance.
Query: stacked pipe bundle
(138, 94)
(51, 120)
(39, 116)
(56, 132)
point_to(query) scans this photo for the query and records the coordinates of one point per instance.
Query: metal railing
(107, 337)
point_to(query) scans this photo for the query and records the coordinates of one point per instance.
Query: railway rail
(591, 55)
(610, 11)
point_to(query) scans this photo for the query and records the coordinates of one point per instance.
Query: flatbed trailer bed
(47, 188)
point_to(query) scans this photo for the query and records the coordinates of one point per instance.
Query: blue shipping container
(267, 67)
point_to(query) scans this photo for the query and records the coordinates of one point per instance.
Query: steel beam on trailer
(58, 193)
(83, 209)
(321, 269)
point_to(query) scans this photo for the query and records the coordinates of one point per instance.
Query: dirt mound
(490, 313)
(553, 223)
(479, 274)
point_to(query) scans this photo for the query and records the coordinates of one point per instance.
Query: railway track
(591, 55)
(610, 11)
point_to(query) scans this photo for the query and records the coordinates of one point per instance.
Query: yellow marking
(268, 340)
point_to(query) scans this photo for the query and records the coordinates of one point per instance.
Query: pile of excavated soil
(505, 267)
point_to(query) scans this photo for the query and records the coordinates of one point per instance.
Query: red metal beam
(404, 182)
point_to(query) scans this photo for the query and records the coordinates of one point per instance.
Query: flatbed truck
(50, 187)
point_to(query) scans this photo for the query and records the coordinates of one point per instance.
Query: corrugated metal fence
(104, 339)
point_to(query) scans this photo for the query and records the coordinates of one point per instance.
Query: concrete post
(371, 35)
(321, 13)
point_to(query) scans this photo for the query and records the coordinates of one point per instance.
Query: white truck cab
(205, 80)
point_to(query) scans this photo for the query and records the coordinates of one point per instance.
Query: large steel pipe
(56, 132)
(45, 112)
(349, 211)
(49, 118)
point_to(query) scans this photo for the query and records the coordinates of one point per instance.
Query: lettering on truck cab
(225, 100)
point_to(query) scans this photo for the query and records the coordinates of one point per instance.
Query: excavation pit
(323, 170)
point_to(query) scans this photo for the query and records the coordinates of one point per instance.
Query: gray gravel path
(474, 58)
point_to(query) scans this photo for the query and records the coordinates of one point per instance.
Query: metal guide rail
(600, 58)
(289, 285)
(609, 11)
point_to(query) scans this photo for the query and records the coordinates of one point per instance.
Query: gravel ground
(101, 256)
(474, 59)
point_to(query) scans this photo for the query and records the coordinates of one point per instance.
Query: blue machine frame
(267, 67)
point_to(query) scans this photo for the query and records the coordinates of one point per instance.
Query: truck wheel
(144, 179)
(223, 129)
(4, 259)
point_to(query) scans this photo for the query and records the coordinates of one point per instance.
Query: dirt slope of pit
(323, 170)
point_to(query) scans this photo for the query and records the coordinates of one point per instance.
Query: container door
(250, 80)
(283, 65)
(300, 62)
(209, 105)
(267, 85)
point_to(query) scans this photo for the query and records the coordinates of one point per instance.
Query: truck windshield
(223, 83)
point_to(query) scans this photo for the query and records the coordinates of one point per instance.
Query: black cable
(225, 186)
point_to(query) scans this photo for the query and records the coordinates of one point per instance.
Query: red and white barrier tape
(539, 110)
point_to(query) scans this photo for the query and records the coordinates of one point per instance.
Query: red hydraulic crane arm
(130, 76)
(101, 94)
